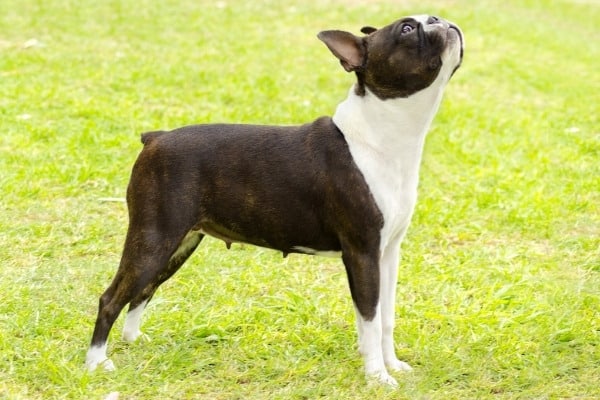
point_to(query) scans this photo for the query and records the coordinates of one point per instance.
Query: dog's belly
(230, 237)
(278, 236)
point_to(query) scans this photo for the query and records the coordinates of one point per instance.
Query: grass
(499, 290)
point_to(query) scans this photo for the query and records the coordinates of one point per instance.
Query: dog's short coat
(343, 185)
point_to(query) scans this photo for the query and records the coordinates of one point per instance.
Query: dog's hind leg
(131, 328)
(149, 258)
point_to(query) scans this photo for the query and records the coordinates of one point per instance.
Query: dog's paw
(96, 356)
(397, 366)
(382, 377)
(107, 364)
(132, 336)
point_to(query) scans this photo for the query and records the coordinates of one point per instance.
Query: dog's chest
(393, 182)
(386, 140)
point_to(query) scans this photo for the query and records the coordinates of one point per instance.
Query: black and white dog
(345, 185)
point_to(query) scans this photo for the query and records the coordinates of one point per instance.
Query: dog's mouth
(454, 35)
(455, 30)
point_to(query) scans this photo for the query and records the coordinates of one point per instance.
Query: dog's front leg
(364, 278)
(369, 345)
(389, 278)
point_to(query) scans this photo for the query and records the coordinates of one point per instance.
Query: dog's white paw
(96, 356)
(397, 365)
(112, 396)
(382, 377)
(133, 321)
(133, 335)
(107, 364)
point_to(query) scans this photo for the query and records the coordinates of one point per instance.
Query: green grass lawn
(499, 289)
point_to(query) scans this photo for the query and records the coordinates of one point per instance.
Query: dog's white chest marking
(386, 140)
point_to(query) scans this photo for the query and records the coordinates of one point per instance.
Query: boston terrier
(342, 186)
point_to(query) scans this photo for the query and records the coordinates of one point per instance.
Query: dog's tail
(150, 136)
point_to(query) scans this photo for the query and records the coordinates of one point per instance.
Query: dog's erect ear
(367, 30)
(348, 48)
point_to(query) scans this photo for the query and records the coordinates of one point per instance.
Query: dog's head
(400, 59)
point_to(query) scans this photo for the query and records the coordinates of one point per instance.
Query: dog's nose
(433, 20)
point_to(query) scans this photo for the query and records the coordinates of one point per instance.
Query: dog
(344, 185)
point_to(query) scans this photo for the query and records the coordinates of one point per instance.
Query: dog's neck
(395, 126)
(393, 130)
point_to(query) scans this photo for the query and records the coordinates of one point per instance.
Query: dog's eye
(406, 28)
